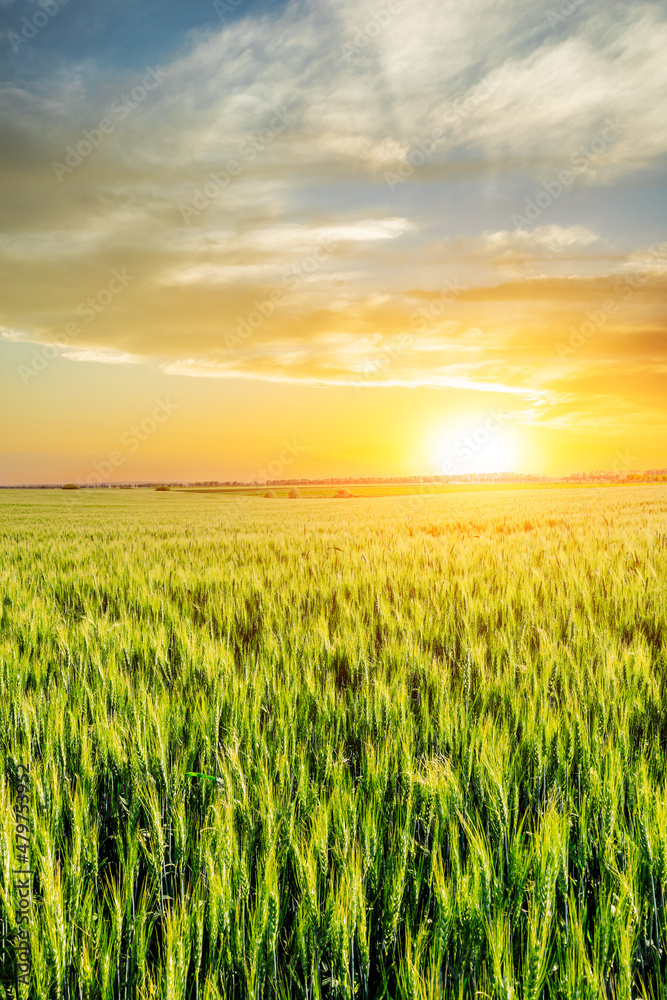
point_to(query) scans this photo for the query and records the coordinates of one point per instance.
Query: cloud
(300, 139)
(555, 238)
(105, 357)
(15, 335)
(267, 252)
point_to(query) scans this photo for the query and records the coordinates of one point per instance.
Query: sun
(476, 445)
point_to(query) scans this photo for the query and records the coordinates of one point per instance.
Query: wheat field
(376, 748)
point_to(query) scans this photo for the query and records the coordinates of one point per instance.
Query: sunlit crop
(401, 747)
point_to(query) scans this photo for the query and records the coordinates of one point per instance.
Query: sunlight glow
(477, 445)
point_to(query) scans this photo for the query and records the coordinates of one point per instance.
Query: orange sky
(438, 246)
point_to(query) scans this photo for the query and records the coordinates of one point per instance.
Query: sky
(331, 237)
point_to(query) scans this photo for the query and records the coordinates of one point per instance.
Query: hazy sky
(331, 237)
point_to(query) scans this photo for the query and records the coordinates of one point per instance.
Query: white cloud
(106, 357)
(653, 260)
(276, 247)
(555, 238)
(551, 95)
(16, 335)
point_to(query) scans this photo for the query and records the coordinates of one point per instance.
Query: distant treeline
(649, 476)
(388, 480)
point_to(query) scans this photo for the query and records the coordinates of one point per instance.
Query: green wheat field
(404, 747)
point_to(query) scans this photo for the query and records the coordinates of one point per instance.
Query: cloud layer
(342, 193)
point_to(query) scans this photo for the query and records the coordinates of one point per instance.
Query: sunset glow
(476, 446)
(309, 221)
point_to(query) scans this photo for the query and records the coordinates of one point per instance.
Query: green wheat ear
(442, 778)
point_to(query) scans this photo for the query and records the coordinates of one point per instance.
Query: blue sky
(111, 33)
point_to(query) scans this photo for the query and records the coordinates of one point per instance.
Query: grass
(401, 748)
